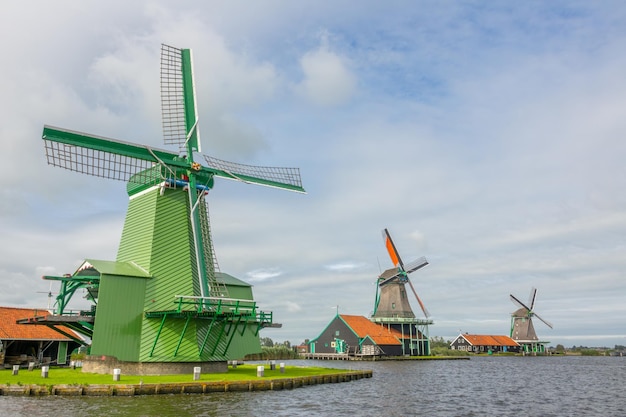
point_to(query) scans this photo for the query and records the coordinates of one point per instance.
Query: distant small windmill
(391, 298)
(522, 328)
(392, 308)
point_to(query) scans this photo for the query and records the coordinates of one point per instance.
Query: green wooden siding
(118, 317)
(157, 236)
(136, 241)
(173, 260)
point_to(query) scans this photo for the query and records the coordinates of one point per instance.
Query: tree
(438, 341)
(266, 341)
(560, 348)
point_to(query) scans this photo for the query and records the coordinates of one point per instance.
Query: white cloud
(263, 274)
(292, 307)
(328, 80)
(345, 266)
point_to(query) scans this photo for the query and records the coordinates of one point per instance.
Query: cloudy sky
(487, 136)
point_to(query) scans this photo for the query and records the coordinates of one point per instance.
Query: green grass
(67, 376)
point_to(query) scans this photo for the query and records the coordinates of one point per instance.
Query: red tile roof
(489, 340)
(10, 330)
(363, 327)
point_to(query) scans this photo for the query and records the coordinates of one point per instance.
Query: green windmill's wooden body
(157, 237)
(163, 300)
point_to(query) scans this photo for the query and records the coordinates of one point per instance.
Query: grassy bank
(446, 351)
(67, 376)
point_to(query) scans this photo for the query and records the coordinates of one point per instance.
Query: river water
(481, 386)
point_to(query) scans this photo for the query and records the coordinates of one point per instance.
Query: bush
(274, 352)
(590, 352)
(444, 351)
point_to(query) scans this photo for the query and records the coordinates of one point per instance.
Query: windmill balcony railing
(217, 307)
(76, 313)
(220, 306)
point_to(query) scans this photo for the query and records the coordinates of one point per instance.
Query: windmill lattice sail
(176, 107)
(273, 175)
(104, 157)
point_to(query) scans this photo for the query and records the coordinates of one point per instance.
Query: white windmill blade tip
(416, 264)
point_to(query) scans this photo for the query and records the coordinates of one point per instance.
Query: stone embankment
(200, 387)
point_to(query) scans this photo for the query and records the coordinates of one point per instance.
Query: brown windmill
(522, 328)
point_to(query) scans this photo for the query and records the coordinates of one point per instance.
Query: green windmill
(163, 302)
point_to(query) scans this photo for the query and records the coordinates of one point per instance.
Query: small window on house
(337, 333)
(393, 306)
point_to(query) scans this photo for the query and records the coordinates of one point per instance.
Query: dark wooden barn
(357, 335)
(484, 343)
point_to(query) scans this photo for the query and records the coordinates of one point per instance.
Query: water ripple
(502, 386)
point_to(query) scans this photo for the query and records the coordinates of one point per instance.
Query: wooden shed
(21, 343)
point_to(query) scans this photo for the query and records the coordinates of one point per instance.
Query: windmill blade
(419, 300)
(277, 177)
(178, 99)
(519, 303)
(531, 298)
(391, 249)
(416, 264)
(180, 126)
(103, 157)
(547, 323)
